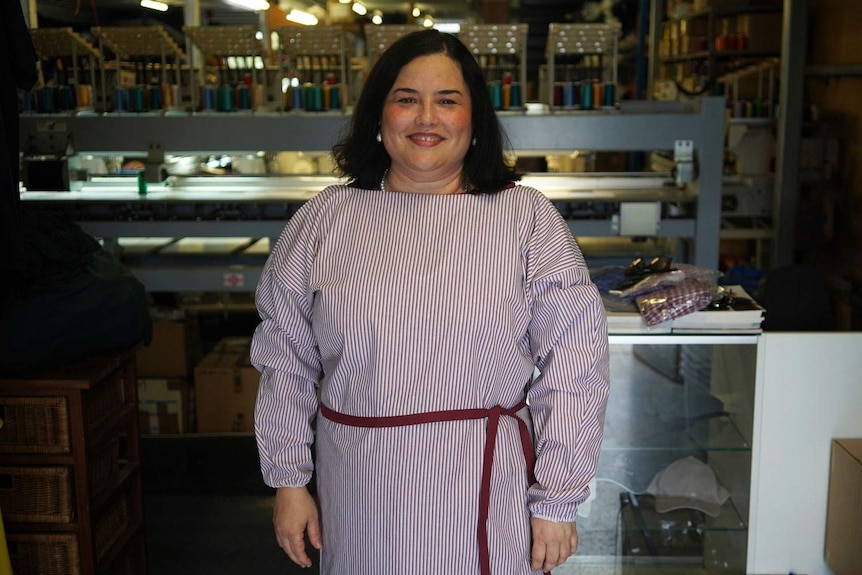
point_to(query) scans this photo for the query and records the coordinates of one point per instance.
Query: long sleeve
(284, 350)
(568, 335)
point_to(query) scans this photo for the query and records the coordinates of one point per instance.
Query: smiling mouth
(425, 138)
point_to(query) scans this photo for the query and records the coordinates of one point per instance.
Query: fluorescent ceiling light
(360, 8)
(300, 17)
(255, 5)
(448, 27)
(154, 5)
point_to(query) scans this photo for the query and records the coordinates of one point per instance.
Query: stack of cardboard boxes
(226, 388)
(178, 392)
(164, 370)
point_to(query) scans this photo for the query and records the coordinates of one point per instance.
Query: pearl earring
(473, 141)
(379, 138)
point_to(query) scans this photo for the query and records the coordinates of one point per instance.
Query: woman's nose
(427, 114)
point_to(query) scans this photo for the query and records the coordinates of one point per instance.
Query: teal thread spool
(516, 95)
(496, 95)
(243, 97)
(225, 98)
(609, 96)
(136, 97)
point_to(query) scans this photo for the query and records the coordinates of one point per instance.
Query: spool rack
(311, 55)
(143, 42)
(584, 51)
(229, 44)
(500, 49)
(66, 43)
(378, 38)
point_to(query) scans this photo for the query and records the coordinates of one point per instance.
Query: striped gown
(392, 303)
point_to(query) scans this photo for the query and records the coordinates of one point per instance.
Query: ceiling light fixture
(377, 18)
(300, 17)
(416, 11)
(428, 22)
(360, 8)
(154, 5)
(255, 5)
(448, 27)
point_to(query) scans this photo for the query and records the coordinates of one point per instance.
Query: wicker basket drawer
(43, 553)
(36, 494)
(58, 554)
(105, 467)
(104, 400)
(112, 525)
(34, 425)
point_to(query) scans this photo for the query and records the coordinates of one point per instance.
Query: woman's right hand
(295, 514)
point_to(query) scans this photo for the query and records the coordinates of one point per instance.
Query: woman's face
(426, 122)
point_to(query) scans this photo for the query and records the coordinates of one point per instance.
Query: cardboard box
(226, 388)
(163, 405)
(844, 512)
(173, 351)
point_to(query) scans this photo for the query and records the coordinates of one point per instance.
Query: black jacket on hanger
(18, 64)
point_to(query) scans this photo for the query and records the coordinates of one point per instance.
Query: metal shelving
(258, 207)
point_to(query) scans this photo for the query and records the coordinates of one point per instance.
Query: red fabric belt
(493, 415)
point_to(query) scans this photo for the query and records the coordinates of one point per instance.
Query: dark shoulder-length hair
(364, 160)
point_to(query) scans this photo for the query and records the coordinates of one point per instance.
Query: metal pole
(786, 196)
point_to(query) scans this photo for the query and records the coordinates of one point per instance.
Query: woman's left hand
(553, 543)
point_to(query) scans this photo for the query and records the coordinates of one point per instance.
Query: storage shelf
(721, 55)
(728, 520)
(718, 434)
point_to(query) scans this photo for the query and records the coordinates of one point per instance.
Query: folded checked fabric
(687, 296)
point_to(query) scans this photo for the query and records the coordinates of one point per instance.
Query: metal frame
(639, 127)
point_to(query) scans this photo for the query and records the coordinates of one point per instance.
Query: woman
(418, 300)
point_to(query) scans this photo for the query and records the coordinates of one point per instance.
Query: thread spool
(84, 96)
(586, 95)
(506, 90)
(313, 98)
(225, 98)
(66, 98)
(176, 96)
(121, 99)
(568, 95)
(576, 93)
(335, 97)
(136, 99)
(45, 100)
(297, 98)
(258, 100)
(208, 98)
(559, 97)
(327, 89)
(496, 95)
(516, 95)
(609, 98)
(243, 97)
(154, 97)
(27, 101)
(597, 95)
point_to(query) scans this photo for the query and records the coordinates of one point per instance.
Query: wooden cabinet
(70, 476)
